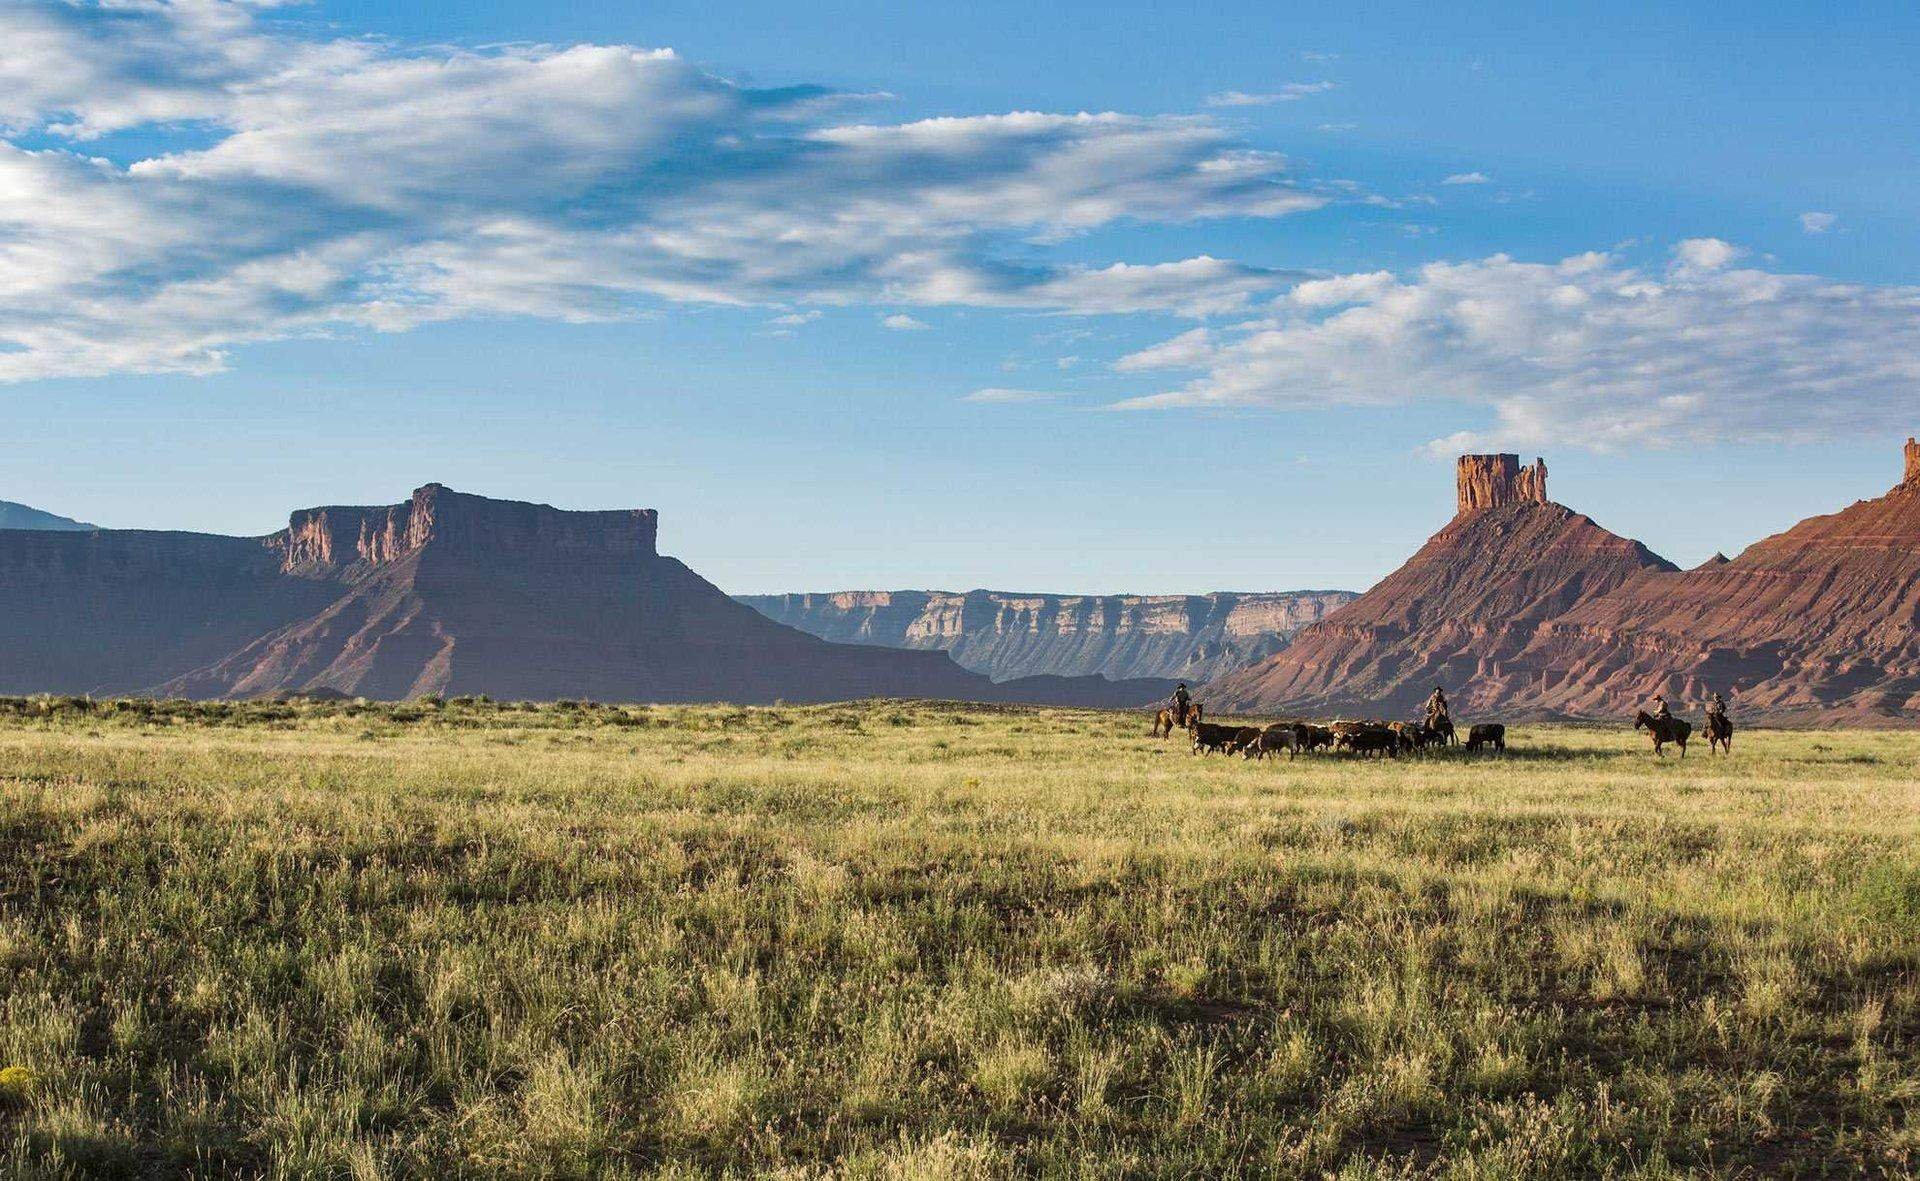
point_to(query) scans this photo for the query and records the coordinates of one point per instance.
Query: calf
(1487, 734)
(1272, 740)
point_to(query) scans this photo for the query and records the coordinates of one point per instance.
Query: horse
(1663, 731)
(1164, 723)
(1442, 729)
(1719, 734)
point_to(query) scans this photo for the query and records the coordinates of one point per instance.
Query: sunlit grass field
(930, 941)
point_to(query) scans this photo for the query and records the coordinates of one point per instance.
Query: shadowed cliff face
(323, 539)
(1005, 634)
(448, 593)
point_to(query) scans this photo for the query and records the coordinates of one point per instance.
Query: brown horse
(1719, 734)
(1164, 723)
(1663, 731)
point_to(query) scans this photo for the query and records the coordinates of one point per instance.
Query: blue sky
(805, 287)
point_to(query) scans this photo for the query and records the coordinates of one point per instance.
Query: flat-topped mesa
(437, 515)
(1912, 476)
(1489, 481)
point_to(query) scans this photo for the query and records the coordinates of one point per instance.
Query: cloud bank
(353, 183)
(1587, 352)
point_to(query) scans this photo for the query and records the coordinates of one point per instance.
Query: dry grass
(926, 941)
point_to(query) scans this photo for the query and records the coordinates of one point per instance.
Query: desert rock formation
(1521, 606)
(1005, 634)
(447, 593)
(1458, 613)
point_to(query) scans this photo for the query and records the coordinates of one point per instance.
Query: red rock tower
(1913, 462)
(1489, 481)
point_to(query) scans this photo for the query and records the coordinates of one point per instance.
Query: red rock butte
(1489, 481)
(1523, 607)
(445, 593)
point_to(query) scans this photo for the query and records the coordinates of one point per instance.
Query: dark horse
(1663, 731)
(1164, 723)
(1719, 734)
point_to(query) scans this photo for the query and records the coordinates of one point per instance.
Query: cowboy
(1437, 707)
(1181, 701)
(1716, 706)
(1660, 710)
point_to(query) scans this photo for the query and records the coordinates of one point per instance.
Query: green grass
(927, 941)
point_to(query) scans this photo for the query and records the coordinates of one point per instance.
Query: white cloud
(795, 319)
(1814, 222)
(1291, 92)
(1468, 178)
(1587, 352)
(1706, 254)
(1006, 396)
(357, 184)
(901, 322)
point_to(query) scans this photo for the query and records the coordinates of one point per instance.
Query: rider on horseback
(1437, 708)
(1660, 710)
(1716, 706)
(1181, 701)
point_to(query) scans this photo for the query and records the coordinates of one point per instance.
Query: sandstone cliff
(1005, 634)
(1820, 623)
(1460, 613)
(448, 593)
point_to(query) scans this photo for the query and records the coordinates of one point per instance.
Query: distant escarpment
(1523, 606)
(1005, 634)
(25, 516)
(448, 593)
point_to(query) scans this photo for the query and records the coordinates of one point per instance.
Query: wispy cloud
(1468, 178)
(1818, 223)
(362, 184)
(1291, 92)
(901, 322)
(998, 395)
(1585, 352)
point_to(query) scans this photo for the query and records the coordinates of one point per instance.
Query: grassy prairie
(929, 941)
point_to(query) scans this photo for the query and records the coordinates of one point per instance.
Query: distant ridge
(1007, 634)
(447, 593)
(25, 516)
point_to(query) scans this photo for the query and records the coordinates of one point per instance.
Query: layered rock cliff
(1820, 623)
(1005, 634)
(1460, 613)
(1521, 607)
(448, 593)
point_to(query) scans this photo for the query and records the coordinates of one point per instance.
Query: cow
(1209, 737)
(1415, 735)
(1313, 737)
(1272, 740)
(1486, 735)
(1365, 738)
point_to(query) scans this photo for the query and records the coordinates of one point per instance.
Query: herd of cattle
(1367, 739)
